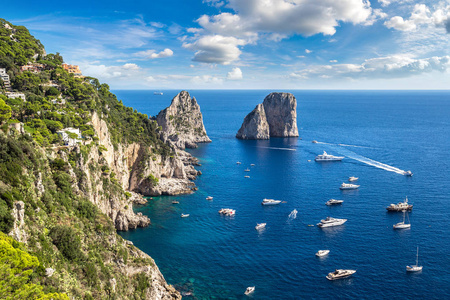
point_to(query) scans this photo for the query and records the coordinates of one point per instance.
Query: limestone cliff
(182, 122)
(275, 117)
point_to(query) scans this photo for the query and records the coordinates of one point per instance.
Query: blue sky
(247, 44)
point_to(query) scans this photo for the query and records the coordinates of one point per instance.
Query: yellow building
(73, 69)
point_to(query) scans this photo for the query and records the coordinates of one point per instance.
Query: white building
(64, 133)
(13, 95)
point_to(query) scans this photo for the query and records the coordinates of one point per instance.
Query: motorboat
(352, 178)
(401, 206)
(340, 273)
(348, 186)
(403, 224)
(246, 176)
(408, 173)
(260, 226)
(209, 198)
(416, 267)
(158, 93)
(330, 222)
(227, 212)
(247, 170)
(334, 202)
(314, 142)
(321, 253)
(249, 290)
(252, 165)
(327, 157)
(175, 202)
(184, 215)
(238, 163)
(270, 202)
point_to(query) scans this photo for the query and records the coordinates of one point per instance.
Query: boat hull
(347, 273)
(325, 225)
(414, 268)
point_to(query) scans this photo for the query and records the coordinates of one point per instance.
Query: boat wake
(276, 148)
(345, 145)
(292, 215)
(370, 162)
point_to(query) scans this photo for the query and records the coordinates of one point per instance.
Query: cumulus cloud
(216, 49)
(308, 51)
(333, 61)
(421, 16)
(388, 2)
(206, 79)
(396, 66)
(106, 72)
(235, 74)
(151, 54)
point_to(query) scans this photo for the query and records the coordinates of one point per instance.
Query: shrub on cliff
(67, 242)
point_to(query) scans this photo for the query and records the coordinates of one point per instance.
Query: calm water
(217, 257)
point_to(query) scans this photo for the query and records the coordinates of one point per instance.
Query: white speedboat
(175, 202)
(270, 202)
(321, 253)
(314, 142)
(249, 290)
(352, 178)
(209, 198)
(247, 170)
(340, 273)
(408, 173)
(158, 93)
(260, 226)
(246, 176)
(416, 267)
(403, 224)
(327, 157)
(334, 202)
(184, 215)
(227, 212)
(252, 165)
(238, 162)
(348, 186)
(401, 206)
(330, 222)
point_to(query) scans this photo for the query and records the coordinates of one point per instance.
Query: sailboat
(416, 267)
(402, 225)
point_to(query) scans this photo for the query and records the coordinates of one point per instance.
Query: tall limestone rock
(182, 122)
(275, 117)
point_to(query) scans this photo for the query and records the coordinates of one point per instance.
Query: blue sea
(380, 133)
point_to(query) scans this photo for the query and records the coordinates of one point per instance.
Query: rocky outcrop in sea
(182, 122)
(275, 117)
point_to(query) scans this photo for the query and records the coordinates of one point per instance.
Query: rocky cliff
(182, 122)
(275, 117)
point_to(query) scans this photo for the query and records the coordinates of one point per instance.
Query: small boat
(270, 202)
(175, 202)
(352, 178)
(209, 198)
(408, 173)
(260, 226)
(238, 163)
(340, 273)
(184, 215)
(247, 170)
(227, 212)
(327, 157)
(309, 160)
(314, 142)
(246, 176)
(310, 225)
(330, 222)
(334, 202)
(416, 267)
(249, 290)
(348, 186)
(321, 253)
(401, 206)
(252, 165)
(158, 93)
(402, 225)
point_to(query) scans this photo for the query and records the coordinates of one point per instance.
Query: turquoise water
(380, 133)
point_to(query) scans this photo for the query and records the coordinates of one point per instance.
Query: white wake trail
(275, 148)
(292, 215)
(371, 162)
(345, 145)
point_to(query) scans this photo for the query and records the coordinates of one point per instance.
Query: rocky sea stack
(182, 122)
(275, 117)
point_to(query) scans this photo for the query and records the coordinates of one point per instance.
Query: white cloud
(151, 54)
(235, 74)
(215, 3)
(396, 66)
(308, 51)
(103, 72)
(206, 79)
(129, 66)
(216, 49)
(421, 16)
(388, 2)
(333, 61)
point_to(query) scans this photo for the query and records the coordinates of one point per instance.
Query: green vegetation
(154, 181)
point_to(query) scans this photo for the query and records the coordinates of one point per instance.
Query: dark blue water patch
(219, 257)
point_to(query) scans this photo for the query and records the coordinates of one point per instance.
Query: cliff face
(182, 122)
(275, 117)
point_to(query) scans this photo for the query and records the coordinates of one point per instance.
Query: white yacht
(252, 165)
(260, 226)
(327, 157)
(334, 202)
(408, 173)
(321, 253)
(227, 211)
(340, 273)
(238, 162)
(158, 93)
(352, 178)
(402, 225)
(401, 206)
(329, 222)
(249, 290)
(175, 202)
(209, 198)
(348, 186)
(184, 215)
(270, 202)
(416, 267)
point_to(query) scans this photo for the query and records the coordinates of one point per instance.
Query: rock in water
(275, 117)
(255, 126)
(182, 122)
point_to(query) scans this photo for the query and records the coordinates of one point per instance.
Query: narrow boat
(321, 253)
(184, 215)
(249, 290)
(348, 186)
(340, 273)
(334, 202)
(252, 165)
(238, 163)
(260, 226)
(402, 225)
(246, 176)
(352, 178)
(314, 142)
(416, 267)
(209, 198)
(270, 202)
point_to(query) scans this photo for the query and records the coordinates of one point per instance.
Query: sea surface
(380, 133)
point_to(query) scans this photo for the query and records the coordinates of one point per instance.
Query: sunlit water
(381, 134)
